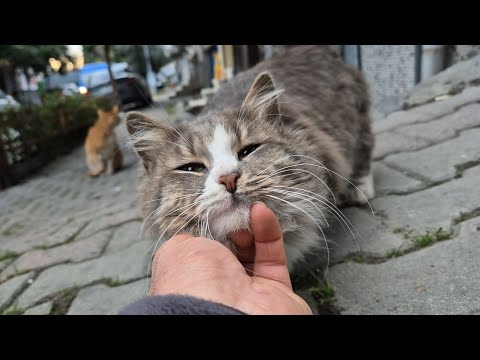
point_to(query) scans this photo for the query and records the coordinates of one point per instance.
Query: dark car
(132, 88)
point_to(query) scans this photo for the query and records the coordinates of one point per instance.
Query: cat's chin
(229, 219)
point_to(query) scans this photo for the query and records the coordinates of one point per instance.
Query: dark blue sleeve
(177, 305)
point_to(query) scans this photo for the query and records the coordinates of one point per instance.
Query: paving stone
(438, 162)
(75, 251)
(391, 142)
(104, 300)
(42, 309)
(426, 112)
(5, 263)
(440, 279)
(124, 236)
(31, 240)
(448, 81)
(373, 236)
(447, 126)
(434, 207)
(9, 287)
(125, 265)
(110, 221)
(388, 180)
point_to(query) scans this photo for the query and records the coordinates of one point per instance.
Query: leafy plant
(323, 293)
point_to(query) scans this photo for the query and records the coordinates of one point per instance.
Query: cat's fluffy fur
(311, 139)
(101, 148)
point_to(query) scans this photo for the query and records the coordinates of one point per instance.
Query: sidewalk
(421, 249)
(71, 245)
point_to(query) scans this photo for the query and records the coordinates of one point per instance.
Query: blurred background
(62, 82)
(69, 244)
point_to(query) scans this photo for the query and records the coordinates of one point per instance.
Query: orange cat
(101, 148)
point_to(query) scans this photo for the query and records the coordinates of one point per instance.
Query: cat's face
(111, 117)
(203, 176)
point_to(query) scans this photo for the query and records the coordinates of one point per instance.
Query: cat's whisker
(327, 203)
(208, 227)
(181, 135)
(198, 223)
(290, 168)
(263, 276)
(336, 214)
(175, 198)
(342, 177)
(122, 148)
(302, 197)
(154, 108)
(168, 117)
(165, 215)
(134, 141)
(185, 189)
(157, 210)
(275, 162)
(189, 206)
(201, 221)
(143, 224)
(176, 209)
(311, 218)
(332, 206)
(351, 183)
(295, 155)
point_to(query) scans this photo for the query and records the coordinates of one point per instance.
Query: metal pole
(418, 63)
(359, 57)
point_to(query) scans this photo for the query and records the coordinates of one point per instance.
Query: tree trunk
(7, 79)
(112, 79)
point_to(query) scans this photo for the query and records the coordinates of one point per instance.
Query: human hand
(207, 269)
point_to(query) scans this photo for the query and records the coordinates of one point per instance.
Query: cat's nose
(230, 181)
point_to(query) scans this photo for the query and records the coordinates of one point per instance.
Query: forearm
(177, 305)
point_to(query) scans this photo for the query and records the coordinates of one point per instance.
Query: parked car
(7, 101)
(67, 83)
(132, 88)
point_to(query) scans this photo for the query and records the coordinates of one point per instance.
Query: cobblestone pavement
(71, 245)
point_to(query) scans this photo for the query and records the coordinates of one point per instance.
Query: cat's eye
(247, 150)
(193, 167)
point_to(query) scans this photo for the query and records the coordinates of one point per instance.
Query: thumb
(270, 257)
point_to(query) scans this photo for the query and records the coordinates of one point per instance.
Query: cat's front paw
(364, 191)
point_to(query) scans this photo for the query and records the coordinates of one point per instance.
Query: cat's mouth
(232, 202)
(228, 215)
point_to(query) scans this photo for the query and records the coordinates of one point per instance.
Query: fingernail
(259, 202)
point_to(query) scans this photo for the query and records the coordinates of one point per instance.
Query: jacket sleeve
(177, 305)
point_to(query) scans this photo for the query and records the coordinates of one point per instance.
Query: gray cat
(293, 132)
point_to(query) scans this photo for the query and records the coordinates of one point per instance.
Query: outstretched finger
(270, 257)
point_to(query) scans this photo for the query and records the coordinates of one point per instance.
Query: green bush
(57, 116)
(104, 103)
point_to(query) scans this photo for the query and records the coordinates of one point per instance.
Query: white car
(7, 101)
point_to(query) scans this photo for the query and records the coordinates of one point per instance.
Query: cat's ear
(262, 98)
(147, 136)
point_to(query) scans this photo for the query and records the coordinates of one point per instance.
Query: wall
(390, 72)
